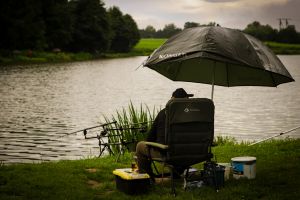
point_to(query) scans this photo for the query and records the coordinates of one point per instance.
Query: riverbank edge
(62, 57)
(144, 48)
(277, 176)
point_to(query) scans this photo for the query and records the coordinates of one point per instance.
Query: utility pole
(281, 26)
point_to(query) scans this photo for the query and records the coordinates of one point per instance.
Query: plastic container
(228, 170)
(131, 182)
(244, 167)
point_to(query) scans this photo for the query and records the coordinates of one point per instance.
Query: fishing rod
(104, 127)
(85, 130)
(275, 136)
(118, 127)
(116, 132)
(138, 123)
(142, 128)
(125, 127)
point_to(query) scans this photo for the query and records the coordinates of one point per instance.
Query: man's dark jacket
(157, 131)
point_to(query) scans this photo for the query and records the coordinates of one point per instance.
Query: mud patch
(93, 184)
(162, 180)
(91, 170)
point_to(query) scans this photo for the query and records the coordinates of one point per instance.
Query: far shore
(144, 48)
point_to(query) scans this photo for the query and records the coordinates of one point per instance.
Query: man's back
(157, 132)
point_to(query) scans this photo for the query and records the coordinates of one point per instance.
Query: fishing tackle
(275, 136)
(89, 128)
(112, 135)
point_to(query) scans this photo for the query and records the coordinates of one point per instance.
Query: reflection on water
(41, 103)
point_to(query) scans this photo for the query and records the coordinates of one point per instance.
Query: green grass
(282, 48)
(143, 48)
(147, 45)
(277, 177)
(150, 43)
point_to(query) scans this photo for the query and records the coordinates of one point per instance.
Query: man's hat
(181, 93)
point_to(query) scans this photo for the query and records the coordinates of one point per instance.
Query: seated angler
(156, 134)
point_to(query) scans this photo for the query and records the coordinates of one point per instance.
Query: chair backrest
(189, 130)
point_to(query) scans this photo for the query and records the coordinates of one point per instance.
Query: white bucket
(227, 171)
(244, 167)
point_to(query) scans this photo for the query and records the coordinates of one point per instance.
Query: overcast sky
(227, 13)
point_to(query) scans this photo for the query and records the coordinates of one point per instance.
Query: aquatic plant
(132, 126)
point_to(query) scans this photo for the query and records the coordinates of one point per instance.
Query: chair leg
(215, 178)
(185, 178)
(172, 182)
(162, 174)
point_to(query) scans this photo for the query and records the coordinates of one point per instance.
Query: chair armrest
(157, 145)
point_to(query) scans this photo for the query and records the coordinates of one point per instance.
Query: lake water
(41, 103)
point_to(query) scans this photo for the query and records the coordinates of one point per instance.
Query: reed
(133, 124)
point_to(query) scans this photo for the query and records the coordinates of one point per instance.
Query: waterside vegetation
(284, 48)
(143, 48)
(277, 176)
(133, 124)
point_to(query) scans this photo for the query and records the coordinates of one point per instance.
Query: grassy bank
(25, 57)
(282, 48)
(144, 48)
(277, 177)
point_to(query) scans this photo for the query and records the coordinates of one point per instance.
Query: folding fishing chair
(189, 134)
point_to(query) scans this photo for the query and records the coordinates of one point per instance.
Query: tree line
(85, 25)
(69, 25)
(262, 32)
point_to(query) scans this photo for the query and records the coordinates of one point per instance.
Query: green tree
(288, 35)
(58, 21)
(91, 27)
(125, 33)
(168, 31)
(132, 31)
(148, 32)
(262, 32)
(211, 24)
(22, 25)
(191, 25)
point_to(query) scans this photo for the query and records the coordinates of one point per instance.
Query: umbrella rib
(213, 81)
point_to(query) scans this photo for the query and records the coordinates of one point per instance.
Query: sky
(228, 13)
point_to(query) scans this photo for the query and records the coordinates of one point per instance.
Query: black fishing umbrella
(218, 56)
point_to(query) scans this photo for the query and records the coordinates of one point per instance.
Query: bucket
(244, 167)
(227, 169)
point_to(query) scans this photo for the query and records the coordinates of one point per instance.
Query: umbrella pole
(213, 81)
(212, 91)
